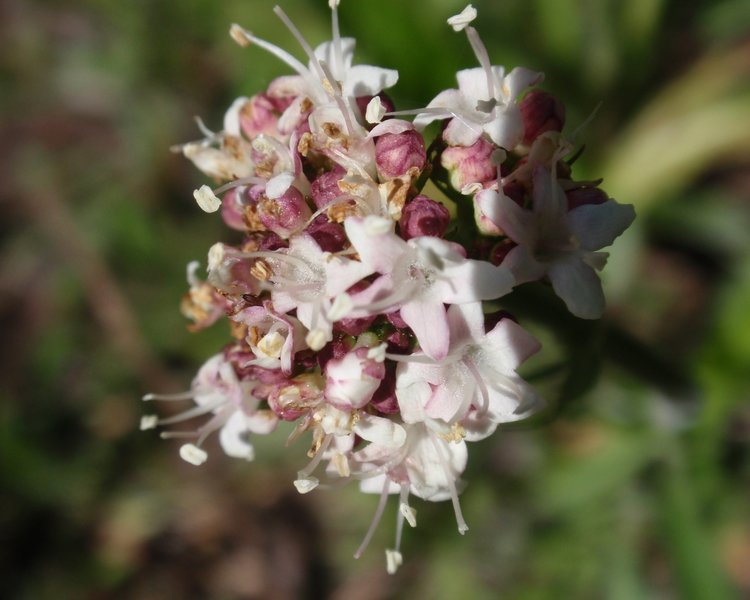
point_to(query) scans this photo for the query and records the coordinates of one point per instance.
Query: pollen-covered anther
(338, 213)
(239, 35)
(206, 199)
(377, 353)
(332, 130)
(305, 485)
(342, 306)
(193, 454)
(456, 434)
(410, 514)
(261, 270)
(393, 560)
(305, 143)
(341, 464)
(375, 111)
(460, 21)
(316, 339)
(149, 422)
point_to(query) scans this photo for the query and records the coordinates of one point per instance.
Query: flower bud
(325, 188)
(286, 214)
(233, 209)
(258, 115)
(500, 250)
(585, 195)
(469, 164)
(384, 399)
(396, 153)
(330, 236)
(540, 112)
(423, 216)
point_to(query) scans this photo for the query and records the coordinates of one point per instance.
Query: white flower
(419, 277)
(478, 375)
(563, 245)
(217, 391)
(486, 99)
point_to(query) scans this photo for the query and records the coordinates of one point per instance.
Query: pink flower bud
(233, 210)
(258, 115)
(540, 112)
(330, 236)
(469, 164)
(384, 399)
(423, 216)
(286, 214)
(500, 250)
(325, 188)
(396, 153)
(585, 195)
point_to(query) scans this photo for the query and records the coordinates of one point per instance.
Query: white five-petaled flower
(563, 245)
(476, 385)
(419, 277)
(217, 391)
(485, 102)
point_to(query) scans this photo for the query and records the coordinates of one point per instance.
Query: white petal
(579, 287)
(597, 225)
(233, 437)
(380, 430)
(232, 116)
(366, 80)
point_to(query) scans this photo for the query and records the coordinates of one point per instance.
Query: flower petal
(428, 321)
(579, 287)
(597, 225)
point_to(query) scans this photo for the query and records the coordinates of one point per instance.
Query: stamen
(178, 435)
(239, 33)
(410, 358)
(462, 526)
(480, 383)
(238, 183)
(375, 519)
(480, 52)
(338, 54)
(169, 397)
(191, 413)
(307, 471)
(302, 42)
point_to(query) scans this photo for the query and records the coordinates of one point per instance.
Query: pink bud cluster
(354, 300)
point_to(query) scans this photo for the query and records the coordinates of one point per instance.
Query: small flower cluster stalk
(355, 300)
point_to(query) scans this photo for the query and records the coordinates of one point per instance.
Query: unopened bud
(469, 165)
(397, 153)
(585, 195)
(325, 188)
(423, 216)
(540, 112)
(286, 214)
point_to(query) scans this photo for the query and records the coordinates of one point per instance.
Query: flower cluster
(355, 300)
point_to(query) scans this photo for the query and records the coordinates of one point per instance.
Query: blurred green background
(635, 484)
